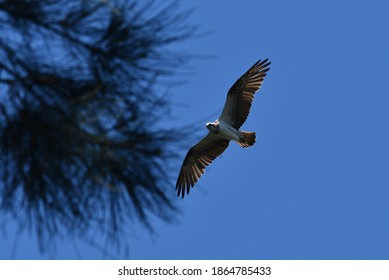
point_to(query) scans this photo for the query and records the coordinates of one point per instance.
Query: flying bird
(224, 129)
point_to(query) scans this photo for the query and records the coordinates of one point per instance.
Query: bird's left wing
(197, 158)
(241, 94)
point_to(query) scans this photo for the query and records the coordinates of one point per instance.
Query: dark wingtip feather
(262, 64)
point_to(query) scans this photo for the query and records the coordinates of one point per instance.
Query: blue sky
(316, 184)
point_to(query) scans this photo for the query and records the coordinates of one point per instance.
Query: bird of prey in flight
(224, 129)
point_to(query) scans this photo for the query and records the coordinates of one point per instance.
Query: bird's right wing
(197, 158)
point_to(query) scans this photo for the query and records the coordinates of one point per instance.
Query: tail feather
(247, 139)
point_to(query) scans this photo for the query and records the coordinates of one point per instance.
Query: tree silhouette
(81, 144)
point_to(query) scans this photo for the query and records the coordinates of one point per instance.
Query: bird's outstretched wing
(241, 94)
(197, 158)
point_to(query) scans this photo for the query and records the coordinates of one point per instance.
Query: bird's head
(212, 126)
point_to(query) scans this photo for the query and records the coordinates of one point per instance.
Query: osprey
(224, 129)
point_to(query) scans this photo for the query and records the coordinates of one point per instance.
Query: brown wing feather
(197, 158)
(241, 94)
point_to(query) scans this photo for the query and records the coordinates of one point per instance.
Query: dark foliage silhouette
(80, 137)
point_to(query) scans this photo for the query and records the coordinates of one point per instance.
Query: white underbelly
(228, 132)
